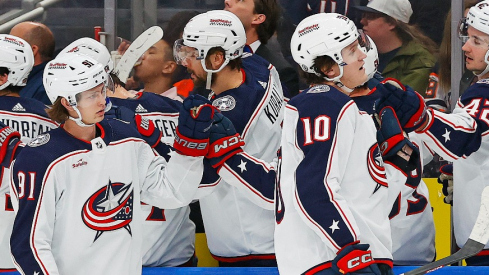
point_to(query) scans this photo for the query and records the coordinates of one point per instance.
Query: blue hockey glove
(9, 142)
(396, 148)
(446, 179)
(355, 259)
(409, 106)
(224, 141)
(194, 123)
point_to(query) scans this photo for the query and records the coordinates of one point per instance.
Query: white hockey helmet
(372, 59)
(15, 55)
(322, 34)
(90, 47)
(217, 28)
(477, 18)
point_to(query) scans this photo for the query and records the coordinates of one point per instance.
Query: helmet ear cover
(17, 57)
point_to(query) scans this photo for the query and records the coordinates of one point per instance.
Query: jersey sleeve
(172, 184)
(319, 175)
(37, 194)
(253, 177)
(452, 136)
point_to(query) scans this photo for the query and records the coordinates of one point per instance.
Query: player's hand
(446, 178)
(355, 259)
(9, 143)
(408, 105)
(194, 123)
(224, 141)
(394, 145)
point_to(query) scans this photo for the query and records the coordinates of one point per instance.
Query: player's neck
(227, 79)
(83, 133)
(158, 85)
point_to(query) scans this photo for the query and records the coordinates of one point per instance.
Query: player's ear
(3, 78)
(66, 104)
(169, 67)
(215, 60)
(331, 72)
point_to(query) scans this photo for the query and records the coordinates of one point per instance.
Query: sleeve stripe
(469, 130)
(245, 183)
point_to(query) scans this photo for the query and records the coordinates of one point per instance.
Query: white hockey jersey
(333, 189)
(411, 217)
(29, 118)
(169, 234)
(78, 206)
(463, 137)
(236, 227)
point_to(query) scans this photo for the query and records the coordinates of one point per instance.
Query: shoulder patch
(39, 140)
(225, 103)
(318, 89)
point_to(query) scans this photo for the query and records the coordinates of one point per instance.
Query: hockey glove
(409, 106)
(446, 178)
(194, 123)
(9, 142)
(355, 258)
(224, 141)
(395, 147)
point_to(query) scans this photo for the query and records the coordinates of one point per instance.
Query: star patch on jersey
(39, 140)
(110, 208)
(225, 103)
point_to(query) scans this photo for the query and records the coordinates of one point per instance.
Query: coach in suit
(259, 18)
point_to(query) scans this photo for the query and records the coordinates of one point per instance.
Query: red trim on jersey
(439, 145)
(444, 120)
(36, 213)
(255, 113)
(245, 183)
(29, 115)
(7, 270)
(330, 193)
(209, 185)
(318, 268)
(244, 258)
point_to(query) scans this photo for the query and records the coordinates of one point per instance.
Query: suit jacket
(288, 74)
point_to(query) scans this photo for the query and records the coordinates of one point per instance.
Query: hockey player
(247, 90)
(169, 234)
(79, 201)
(460, 136)
(25, 115)
(411, 217)
(332, 199)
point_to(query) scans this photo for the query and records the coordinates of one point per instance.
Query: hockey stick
(477, 240)
(137, 48)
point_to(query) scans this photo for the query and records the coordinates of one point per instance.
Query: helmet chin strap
(487, 66)
(79, 119)
(336, 80)
(209, 72)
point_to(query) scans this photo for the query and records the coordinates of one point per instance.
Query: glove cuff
(9, 141)
(189, 146)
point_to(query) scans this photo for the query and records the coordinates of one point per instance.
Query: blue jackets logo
(110, 208)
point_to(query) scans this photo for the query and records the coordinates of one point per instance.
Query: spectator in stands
(404, 52)
(260, 19)
(41, 39)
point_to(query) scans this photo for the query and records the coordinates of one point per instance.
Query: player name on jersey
(29, 129)
(272, 110)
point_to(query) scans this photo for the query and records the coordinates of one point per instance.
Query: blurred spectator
(41, 39)
(260, 19)
(429, 16)
(404, 52)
